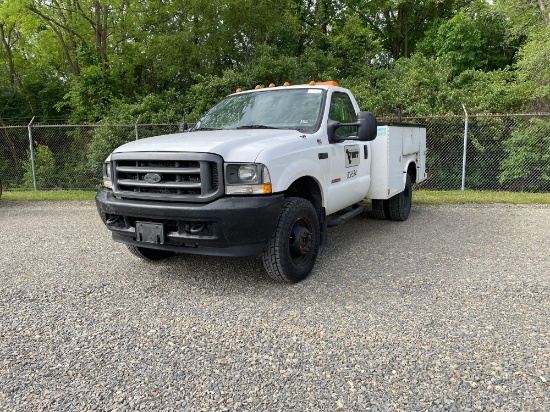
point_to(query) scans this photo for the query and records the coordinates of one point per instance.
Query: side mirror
(183, 127)
(366, 128)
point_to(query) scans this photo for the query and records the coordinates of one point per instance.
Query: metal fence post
(32, 154)
(136, 127)
(465, 145)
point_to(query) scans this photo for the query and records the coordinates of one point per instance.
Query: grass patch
(48, 195)
(420, 197)
(428, 197)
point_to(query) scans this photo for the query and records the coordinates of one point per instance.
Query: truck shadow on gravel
(347, 243)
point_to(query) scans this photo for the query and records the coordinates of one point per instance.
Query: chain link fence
(64, 156)
(503, 153)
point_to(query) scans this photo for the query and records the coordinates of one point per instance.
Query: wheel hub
(301, 240)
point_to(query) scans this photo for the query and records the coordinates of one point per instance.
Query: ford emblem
(152, 178)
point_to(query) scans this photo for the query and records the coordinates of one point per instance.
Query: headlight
(248, 173)
(247, 179)
(107, 175)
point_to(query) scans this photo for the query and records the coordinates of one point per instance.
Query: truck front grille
(189, 177)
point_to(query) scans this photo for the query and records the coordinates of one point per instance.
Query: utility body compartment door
(395, 147)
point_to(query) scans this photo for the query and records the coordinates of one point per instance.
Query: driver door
(349, 160)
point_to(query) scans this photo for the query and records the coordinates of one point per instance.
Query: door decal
(352, 156)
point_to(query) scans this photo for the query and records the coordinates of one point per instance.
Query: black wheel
(289, 255)
(399, 206)
(149, 254)
(379, 209)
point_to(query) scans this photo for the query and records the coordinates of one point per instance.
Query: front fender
(284, 173)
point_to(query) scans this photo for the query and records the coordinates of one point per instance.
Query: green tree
(418, 86)
(527, 165)
(474, 38)
(44, 166)
(533, 71)
(400, 24)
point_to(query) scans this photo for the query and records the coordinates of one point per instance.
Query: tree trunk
(101, 14)
(9, 53)
(545, 13)
(55, 26)
(8, 142)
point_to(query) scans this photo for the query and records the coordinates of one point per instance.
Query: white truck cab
(259, 174)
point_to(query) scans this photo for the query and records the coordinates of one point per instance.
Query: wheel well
(306, 188)
(411, 170)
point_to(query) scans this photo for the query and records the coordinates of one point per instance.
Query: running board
(346, 216)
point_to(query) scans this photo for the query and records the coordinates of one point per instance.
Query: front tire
(289, 255)
(400, 205)
(149, 254)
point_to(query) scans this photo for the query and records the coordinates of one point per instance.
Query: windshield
(298, 109)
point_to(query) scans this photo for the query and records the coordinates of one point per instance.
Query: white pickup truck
(259, 174)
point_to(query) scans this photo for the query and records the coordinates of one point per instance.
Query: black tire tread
(397, 204)
(273, 255)
(379, 209)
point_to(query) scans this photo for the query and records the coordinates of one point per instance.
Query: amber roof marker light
(285, 84)
(329, 83)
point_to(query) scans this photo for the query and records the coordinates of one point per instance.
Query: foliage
(44, 166)
(474, 38)
(527, 166)
(104, 141)
(92, 59)
(485, 92)
(98, 61)
(534, 71)
(416, 86)
(90, 94)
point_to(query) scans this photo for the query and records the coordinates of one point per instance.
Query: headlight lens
(107, 175)
(246, 179)
(248, 173)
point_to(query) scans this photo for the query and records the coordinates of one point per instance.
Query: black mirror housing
(366, 128)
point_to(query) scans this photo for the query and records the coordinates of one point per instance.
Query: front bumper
(230, 226)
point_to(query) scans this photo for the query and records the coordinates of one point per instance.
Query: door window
(342, 110)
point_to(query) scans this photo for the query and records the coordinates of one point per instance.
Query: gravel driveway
(447, 311)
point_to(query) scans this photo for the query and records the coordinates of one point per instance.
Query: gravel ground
(448, 311)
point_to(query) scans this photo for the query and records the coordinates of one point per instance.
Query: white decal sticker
(352, 155)
(382, 131)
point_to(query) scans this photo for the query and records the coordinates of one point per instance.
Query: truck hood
(232, 145)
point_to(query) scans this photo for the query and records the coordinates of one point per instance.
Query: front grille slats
(174, 170)
(169, 185)
(189, 177)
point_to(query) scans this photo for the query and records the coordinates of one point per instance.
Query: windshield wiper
(256, 126)
(207, 128)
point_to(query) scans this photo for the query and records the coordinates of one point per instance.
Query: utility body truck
(264, 171)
